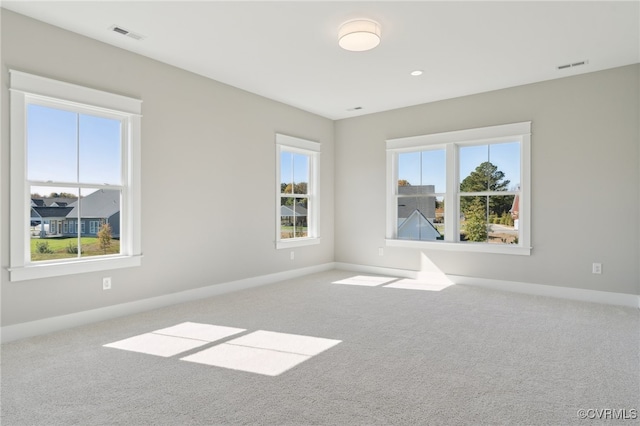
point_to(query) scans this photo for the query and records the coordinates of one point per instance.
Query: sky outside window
(428, 167)
(64, 146)
(505, 156)
(294, 167)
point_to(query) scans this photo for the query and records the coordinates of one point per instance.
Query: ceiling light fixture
(359, 35)
(416, 73)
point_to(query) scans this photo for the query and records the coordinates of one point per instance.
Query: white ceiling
(288, 51)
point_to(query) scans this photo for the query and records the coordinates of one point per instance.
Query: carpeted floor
(461, 355)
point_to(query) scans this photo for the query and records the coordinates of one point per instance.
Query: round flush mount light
(416, 73)
(359, 35)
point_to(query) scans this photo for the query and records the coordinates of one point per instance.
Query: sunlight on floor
(262, 352)
(409, 284)
(427, 281)
(364, 280)
(171, 341)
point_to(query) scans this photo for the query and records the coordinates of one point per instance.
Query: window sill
(296, 242)
(46, 270)
(462, 247)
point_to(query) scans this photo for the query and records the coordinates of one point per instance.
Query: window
(466, 190)
(74, 155)
(297, 203)
(94, 227)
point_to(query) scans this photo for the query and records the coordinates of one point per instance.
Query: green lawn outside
(60, 248)
(287, 231)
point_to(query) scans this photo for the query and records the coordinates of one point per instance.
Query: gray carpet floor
(462, 355)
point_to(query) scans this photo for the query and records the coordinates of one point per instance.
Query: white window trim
(312, 149)
(26, 87)
(450, 141)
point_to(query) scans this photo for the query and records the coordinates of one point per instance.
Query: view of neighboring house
(289, 214)
(416, 214)
(515, 211)
(64, 218)
(47, 220)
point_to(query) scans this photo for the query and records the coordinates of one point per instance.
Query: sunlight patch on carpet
(409, 284)
(263, 352)
(174, 340)
(157, 344)
(365, 280)
(293, 343)
(206, 332)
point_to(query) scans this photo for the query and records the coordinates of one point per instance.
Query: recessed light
(416, 73)
(355, 108)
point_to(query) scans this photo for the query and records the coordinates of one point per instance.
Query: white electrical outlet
(292, 255)
(380, 251)
(106, 283)
(596, 268)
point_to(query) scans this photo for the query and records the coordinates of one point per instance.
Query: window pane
(489, 219)
(99, 212)
(51, 144)
(502, 219)
(409, 169)
(474, 168)
(52, 228)
(301, 211)
(506, 157)
(433, 171)
(300, 173)
(293, 217)
(100, 150)
(417, 218)
(473, 218)
(422, 172)
(294, 173)
(490, 167)
(286, 172)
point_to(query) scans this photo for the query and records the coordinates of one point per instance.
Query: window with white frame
(297, 202)
(466, 190)
(76, 143)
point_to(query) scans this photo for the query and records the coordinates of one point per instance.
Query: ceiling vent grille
(125, 32)
(573, 65)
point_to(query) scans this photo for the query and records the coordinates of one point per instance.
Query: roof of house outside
(407, 205)
(50, 201)
(287, 211)
(418, 227)
(51, 212)
(100, 204)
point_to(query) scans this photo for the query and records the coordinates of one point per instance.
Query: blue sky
(294, 166)
(57, 139)
(506, 156)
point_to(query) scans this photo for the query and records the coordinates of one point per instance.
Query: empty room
(329, 213)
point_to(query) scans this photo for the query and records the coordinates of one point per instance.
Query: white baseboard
(48, 325)
(584, 295)
(402, 273)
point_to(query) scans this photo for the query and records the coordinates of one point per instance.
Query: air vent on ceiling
(573, 65)
(125, 32)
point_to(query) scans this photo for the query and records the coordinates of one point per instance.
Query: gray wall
(208, 152)
(585, 181)
(208, 175)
